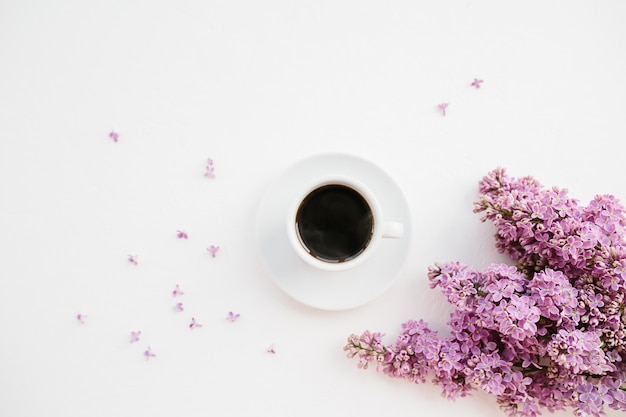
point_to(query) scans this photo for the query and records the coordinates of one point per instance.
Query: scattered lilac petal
(81, 318)
(133, 259)
(442, 107)
(209, 170)
(194, 324)
(181, 234)
(177, 291)
(213, 250)
(134, 336)
(476, 83)
(114, 135)
(233, 317)
(271, 349)
(148, 353)
(179, 307)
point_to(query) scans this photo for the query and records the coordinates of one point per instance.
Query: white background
(258, 85)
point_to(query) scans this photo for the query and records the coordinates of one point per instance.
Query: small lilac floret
(176, 292)
(194, 324)
(233, 317)
(148, 353)
(213, 250)
(476, 83)
(209, 169)
(135, 336)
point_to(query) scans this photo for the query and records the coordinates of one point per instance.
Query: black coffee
(334, 223)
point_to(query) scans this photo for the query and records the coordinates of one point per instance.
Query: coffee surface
(334, 223)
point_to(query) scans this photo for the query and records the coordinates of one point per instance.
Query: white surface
(257, 85)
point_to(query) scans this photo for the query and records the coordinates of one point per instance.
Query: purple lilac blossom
(476, 83)
(135, 336)
(194, 324)
(213, 250)
(233, 317)
(177, 291)
(148, 353)
(546, 333)
(209, 169)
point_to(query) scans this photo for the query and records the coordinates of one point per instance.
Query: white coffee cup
(336, 223)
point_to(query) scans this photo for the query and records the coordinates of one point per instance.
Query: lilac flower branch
(367, 348)
(548, 332)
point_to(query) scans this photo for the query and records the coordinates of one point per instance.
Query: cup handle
(393, 230)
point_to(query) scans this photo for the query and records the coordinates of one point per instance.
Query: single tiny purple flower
(209, 170)
(233, 317)
(134, 336)
(181, 234)
(476, 83)
(177, 291)
(613, 356)
(194, 324)
(114, 135)
(81, 318)
(271, 349)
(148, 353)
(213, 250)
(442, 107)
(133, 259)
(179, 307)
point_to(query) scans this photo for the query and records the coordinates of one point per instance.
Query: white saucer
(331, 290)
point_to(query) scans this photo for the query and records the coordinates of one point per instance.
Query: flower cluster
(549, 332)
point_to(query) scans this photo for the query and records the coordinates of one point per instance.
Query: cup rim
(370, 199)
